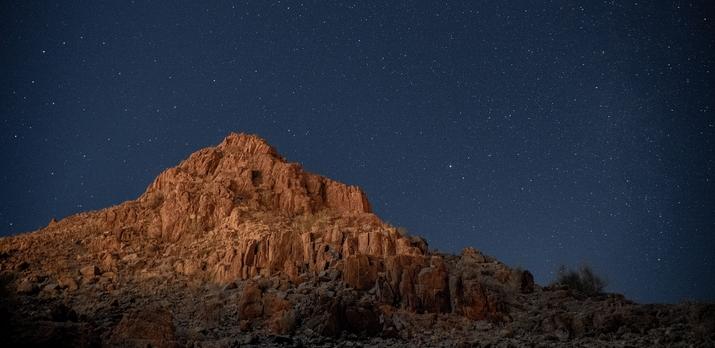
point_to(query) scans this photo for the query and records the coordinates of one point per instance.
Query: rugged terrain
(237, 247)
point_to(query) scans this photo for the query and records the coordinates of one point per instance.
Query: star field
(542, 133)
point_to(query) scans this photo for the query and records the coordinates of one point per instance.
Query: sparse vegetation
(306, 222)
(583, 280)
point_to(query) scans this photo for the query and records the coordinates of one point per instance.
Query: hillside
(235, 246)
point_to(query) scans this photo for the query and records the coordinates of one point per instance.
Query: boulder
(472, 255)
(67, 283)
(362, 319)
(89, 272)
(478, 302)
(433, 289)
(282, 322)
(250, 304)
(108, 263)
(526, 282)
(150, 326)
(360, 272)
(27, 287)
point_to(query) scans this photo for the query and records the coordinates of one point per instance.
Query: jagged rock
(526, 282)
(67, 283)
(89, 272)
(243, 169)
(235, 243)
(478, 302)
(360, 272)
(472, 255)
(361, 319)
(50, 287)
(151, 326)
(250, 305)
(108, 263)
(26, 286)
(282, 322)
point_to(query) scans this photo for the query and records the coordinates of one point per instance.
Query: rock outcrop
(237, 242)
(145, 327)
(203, 191)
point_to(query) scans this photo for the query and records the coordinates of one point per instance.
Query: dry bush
(306, 222)
(583, 280)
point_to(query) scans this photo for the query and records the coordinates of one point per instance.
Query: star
(574, 153)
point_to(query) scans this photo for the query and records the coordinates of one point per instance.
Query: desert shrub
(402, 231)
(583, 280)
(307, 221)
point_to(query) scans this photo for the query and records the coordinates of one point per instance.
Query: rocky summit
(236, 246)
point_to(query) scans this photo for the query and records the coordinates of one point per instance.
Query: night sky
(542, 133)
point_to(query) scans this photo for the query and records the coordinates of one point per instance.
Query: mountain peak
(243, 171)
(246, 143)
(236, 241)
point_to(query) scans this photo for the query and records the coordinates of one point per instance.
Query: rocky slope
(236, 246)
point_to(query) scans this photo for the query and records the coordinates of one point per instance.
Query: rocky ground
(237, 247)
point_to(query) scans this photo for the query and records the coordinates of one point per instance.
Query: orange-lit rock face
(204, 191)
(235, 240)
(239, 210)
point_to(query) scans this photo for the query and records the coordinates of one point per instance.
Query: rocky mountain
(236, 246)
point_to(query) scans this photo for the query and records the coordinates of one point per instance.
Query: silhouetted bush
(583, 280)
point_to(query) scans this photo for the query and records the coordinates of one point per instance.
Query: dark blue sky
(542, 133)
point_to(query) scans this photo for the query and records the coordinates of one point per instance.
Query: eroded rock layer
(237, 242)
